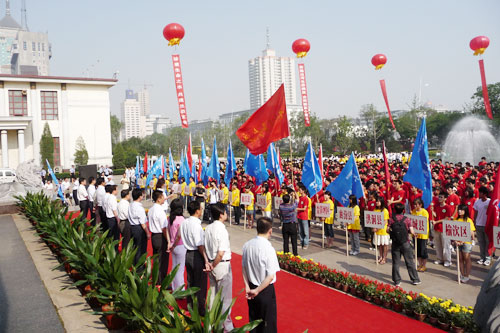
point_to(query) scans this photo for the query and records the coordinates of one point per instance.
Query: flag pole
(458, 265)
(416, 260)
(347, 240)
(291, 160)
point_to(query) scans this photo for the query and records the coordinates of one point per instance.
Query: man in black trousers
(160, 239)
(138, 229)
(197, 264)
(288, 216)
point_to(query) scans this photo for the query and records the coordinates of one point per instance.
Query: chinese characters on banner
(457, 230)
(179, 88)
(496, 237)
(277, 202)
(374, 219)
(303, 93)
(322, 210)
(419, 223)
(345, 215)
(261, 200)
(246, 199)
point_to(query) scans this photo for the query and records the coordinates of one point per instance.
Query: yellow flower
(408, 297)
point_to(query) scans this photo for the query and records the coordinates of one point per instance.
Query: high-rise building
(143, 98)
(267, 73)
(131, 116)
(22, 52)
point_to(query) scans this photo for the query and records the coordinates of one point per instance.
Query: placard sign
(277, 202)
(457, 230)
(345, 215)
(221, 195)
(374, 219)
(496, 237)
(177, 188)
(322, 210)
(246, 199)
(230, 198)
(419, 223)
(261, 200)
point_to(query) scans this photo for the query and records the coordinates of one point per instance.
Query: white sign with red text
(419, 223)
(261, 200)
(230, 198)
(457, 230)
(322, 210)
(345, 215)
(179, 89)
(246, 199)
(496, 237)
(277, 202)
(303, 93)
(374, 219)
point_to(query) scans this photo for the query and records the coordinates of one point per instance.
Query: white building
(134, 121)
(157, 123)
(21, 51)
(267, 73)
(72, 107)
(144, 101)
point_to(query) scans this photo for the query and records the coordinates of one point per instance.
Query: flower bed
(443, 314)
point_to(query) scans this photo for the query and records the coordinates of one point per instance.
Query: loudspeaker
(87, 171)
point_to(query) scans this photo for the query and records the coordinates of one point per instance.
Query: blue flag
(185, 165)
(311, 173)
(245, 162)
(273, 164)
(55, 181)
(141, 164)
(171, 164)
(204, 177)
(419, 171)
(155, 170)
(230, 166)
(347, 183)
(256, 167)
(137, 169)
(213, 170)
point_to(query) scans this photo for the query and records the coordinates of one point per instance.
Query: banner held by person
(457, 231)
(346, 216)
(374, 220)
(311, 173)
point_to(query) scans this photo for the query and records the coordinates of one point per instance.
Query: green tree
(46, 146)
(119, 157)
(477, 106)
(81, 154)
(371, 116)
(344, 138)
(116, 127)
(301, 134)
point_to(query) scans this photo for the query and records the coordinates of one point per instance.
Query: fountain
(469, 140)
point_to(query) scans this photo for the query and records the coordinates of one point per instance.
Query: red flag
(387, 175)
(492, 213)
(268, 124)
(486, 98)
(145, 163)
(279, 159)
(200, 168)
(384, 92)
(189, 154)
(320, 162)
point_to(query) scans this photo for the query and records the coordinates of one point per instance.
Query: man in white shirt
(480, 218)
(75, 183)
(138, 229)
(83, 197)
(160, 239)
(100, 194)
(123, 222)
(111, 208)
(91, 191)
(197, 264)
(259, 267)
(218, 250)
(213, 197)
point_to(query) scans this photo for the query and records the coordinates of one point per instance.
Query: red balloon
(379, 60)
(301, 47)
(479, 44)
(173, 32)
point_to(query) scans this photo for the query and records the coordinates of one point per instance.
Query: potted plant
(444, 315)
(397, 299)
(369, 290)
(343, 281)
(408, 304)
(420, 307)
(461, 318)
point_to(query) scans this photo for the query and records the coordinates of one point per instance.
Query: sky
(425, 41)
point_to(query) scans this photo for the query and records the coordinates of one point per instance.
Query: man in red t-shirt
(453, 199)
(440, 213)
(303, 217)
(398, 194)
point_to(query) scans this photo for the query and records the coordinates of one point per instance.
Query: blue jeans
(304, 232)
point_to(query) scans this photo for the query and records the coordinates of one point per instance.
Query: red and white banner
(322, 210)
(179, 88)
(419, 224)
(345, 215)
(374, 219)
(457, 230)
(303, 93)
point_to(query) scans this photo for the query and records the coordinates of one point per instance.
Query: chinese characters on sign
(303, 93)
(246, 199)
(345, 215)
(496, 237)
(322, 210)
(277, 202)
(457, 230)
(374, 219)
(179, 89)
(419, 223)
(261, 200)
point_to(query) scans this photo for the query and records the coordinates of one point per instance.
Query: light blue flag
(213, 170)
(155, 170)
(272, 163)
(55, 181)
(137, 169)
(203, 163)
(231, 165)
(171, 164)
(256, 167)
(311, 173)
(419, 170)
(347, 183)
(141, 165)
(187, 171)
(245, 162)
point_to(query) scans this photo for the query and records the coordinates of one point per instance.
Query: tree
(371, 116)
(119, 157)
(116, 127)
(81, 154)
(477, 106)
(301, 134)
(47, 146)
(344, 138)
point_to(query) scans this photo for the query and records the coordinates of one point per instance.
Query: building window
(33, 46)
(18, 104)
(57, 152)
(49, 105)
(24, 46)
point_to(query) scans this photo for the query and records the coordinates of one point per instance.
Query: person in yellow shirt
(235, 203)
(191, 187)
(381, 236)
(329, 220)
(465, 247)
(422, 254)
(184, 191)
(355, 227)
(269, 201)
(250, 208)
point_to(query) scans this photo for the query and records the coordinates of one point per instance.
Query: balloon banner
(303, 92)
(384, 92)
(486, 98)
(179, 87)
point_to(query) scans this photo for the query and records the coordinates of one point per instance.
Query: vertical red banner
(303, 93)
(179, 88)
(387, 176)
(384, 92)
(486, 98)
